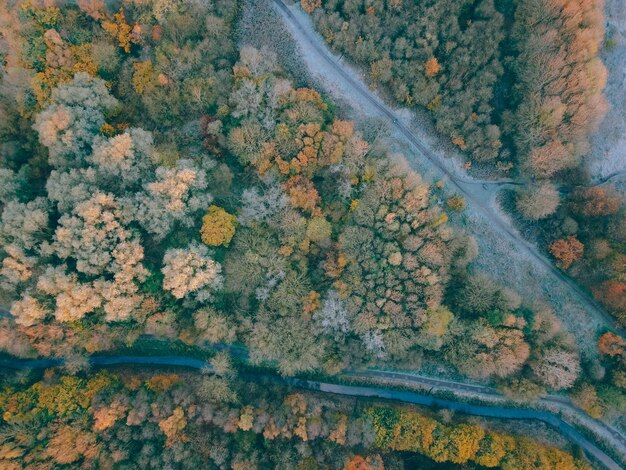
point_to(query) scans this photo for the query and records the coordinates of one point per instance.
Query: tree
(105, 417)
(124, 160)
(522, 389)
(557, 368)
(332, 318)
(493, 448)
(262, 204)
(68, 444)
(218, 227)
(478, 294)
(69, 188)
(586, 397)
(596, 201)
(27, 311)
(432, 67)
(611, 344)
(288, 341)
(318, 229)
(173, 426)
(302, 193)
(456, 203)
(357, 462)
(493, 351)
(310, 5)
(222, 364)
(613, 295)
(556, 50)
(75, 115)
(94, 237)
(567, 251)
(8, 185)
(172, 198)
(191, 272)
(538, 201)
(73, 299)
(547, 160)
(25, 225)
(435, 327)
(120, 30)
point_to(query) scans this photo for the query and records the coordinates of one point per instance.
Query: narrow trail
(490, 411)
(594, 184)
(476, 192)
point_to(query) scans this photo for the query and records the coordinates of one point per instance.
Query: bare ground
(608, 154)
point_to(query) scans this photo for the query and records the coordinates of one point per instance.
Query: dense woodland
(159, 180)
(180, 421)
(516, 85)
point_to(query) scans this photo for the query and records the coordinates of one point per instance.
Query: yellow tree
(218, 227)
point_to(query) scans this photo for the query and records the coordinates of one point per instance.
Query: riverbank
(500, 412)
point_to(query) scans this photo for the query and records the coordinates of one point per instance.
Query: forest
(159, 180)
(516, 86)
(168, 420)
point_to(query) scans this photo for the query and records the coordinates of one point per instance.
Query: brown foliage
(595, 202)
(162, 382)
(302, 193)
(560, 81)
(611, 344)
(310, 5)
(432, 67)
(567, 251)
(357, 463)
(612, 294)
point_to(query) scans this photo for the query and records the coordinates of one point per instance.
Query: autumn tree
(538, 201)
(432, 67)
(191, 272)
(557, 368)
(567, 251)
(596, 201)
(218, 227)
(75, 115)
(611, 344)
(172, 198)
(555, 114)
(586, 397)
(310, 5)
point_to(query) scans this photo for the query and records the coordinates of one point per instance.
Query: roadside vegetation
(145, 420)
(157, 180)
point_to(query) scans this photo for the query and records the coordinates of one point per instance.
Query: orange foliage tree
(567, 251)
(120, 30)
(612, 294)
(310, 5)
(432, 67)
(595, 202)
(357, 463)
(611, 344)
(302, 193)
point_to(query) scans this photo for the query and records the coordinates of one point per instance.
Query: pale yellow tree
(190, 271)
(27, 311)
